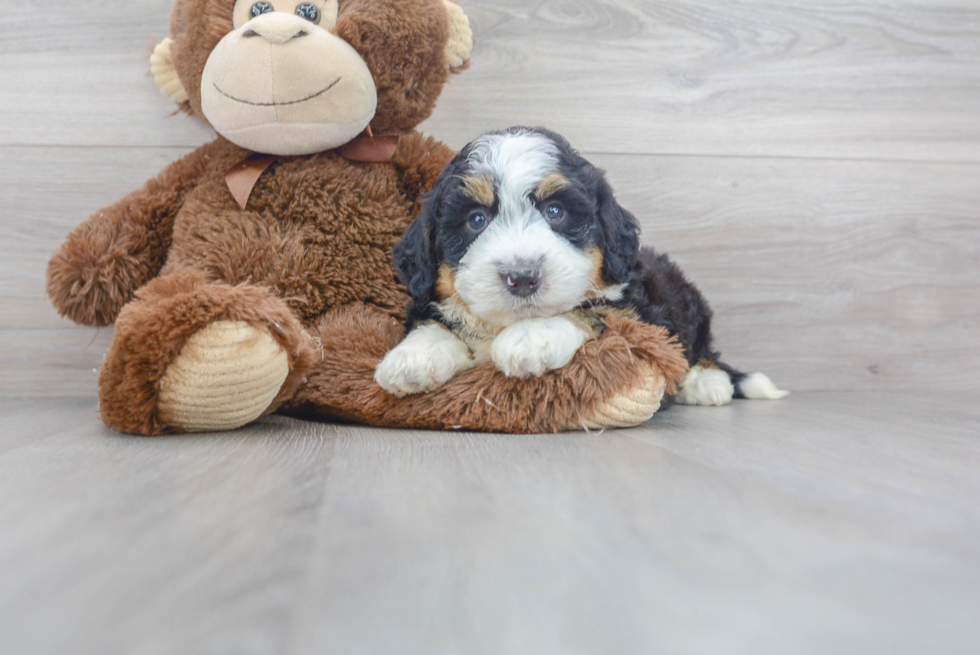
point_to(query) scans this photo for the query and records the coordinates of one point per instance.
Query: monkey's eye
(554, 212)
(260, 8)
(309, 12)
(478, 221)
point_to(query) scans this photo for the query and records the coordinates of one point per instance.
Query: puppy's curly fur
(520, 256)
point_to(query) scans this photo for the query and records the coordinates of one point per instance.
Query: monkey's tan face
(282, 83)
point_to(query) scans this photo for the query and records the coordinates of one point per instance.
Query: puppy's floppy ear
(621, 233)
(415, 257)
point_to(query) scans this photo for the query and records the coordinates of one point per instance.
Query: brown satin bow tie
(366, 148)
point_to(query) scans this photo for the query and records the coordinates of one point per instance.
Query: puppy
(519, 253)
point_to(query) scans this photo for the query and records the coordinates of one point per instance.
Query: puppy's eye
(478, 221)
(554, 212)
(260, 8)
(309, 12)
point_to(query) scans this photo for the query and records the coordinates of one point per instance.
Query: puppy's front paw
(534, 346)
(428, 358)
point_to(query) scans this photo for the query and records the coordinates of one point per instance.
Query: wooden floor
(824, 523)
(814, 166)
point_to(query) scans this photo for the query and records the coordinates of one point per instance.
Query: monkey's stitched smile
(277, 104)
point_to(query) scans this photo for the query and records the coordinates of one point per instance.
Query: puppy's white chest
(476, 333)
(480, 348)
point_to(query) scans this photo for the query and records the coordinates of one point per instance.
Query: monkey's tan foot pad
(629, 407)
(226, 376)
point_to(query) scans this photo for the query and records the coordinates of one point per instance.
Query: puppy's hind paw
(706, 386)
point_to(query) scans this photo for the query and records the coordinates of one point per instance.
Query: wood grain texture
(843, 275)
(830, 79)
(814, 79)
(47, 192)
(812, 165)
(85, 78)
(153, 546)
(45, 361)
(825, 523)
(826, 275)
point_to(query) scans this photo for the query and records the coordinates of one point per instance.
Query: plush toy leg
(615, 381)
(226, 375)
(193, 356)
(631, 405)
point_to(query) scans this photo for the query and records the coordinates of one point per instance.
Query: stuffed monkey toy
(255, 274)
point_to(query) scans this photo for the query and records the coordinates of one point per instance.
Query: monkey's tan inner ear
(460, 43)
(164, 73)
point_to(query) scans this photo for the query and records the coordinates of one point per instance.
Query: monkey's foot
(629, 407)
(193, 355)
(226, 376)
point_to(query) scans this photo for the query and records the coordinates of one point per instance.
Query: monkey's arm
(419, 160)
(121, 247)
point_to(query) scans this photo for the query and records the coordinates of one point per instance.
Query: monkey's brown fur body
(309, 263)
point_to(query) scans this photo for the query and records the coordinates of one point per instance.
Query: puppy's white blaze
(517, 162)
(428, 357)
(534, 346)
(518, 240)
(706, 386)
(758, 386)
(519, 236)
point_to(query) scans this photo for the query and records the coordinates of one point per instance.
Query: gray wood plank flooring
(812, 165)
(825, 523)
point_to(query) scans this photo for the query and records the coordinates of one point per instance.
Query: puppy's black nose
(522, 282)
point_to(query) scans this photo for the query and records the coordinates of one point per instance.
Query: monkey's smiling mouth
(277, 104)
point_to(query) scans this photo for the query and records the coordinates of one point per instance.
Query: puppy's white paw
(706, 386)
(429, 357)
(533, 346)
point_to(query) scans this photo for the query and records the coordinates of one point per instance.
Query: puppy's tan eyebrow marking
(551, 184)
(479, 188)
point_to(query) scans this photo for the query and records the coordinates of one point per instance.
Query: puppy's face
(518, 226)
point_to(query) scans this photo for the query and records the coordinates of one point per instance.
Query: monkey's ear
(415, 257)
(460, 43)
(165, 74)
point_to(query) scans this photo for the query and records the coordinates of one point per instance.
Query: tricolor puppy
(519, 253)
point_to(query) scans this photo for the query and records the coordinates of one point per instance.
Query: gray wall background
(814, 166)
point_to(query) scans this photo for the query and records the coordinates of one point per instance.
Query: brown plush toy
(242, 284)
